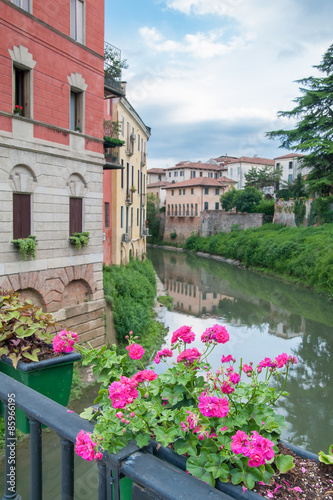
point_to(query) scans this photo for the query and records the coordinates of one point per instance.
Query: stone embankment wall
(182, 226)
(216, 221)
(284, 212)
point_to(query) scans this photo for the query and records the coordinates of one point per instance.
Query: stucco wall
(284, 214)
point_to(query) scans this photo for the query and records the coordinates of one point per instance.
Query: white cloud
(202, 7)
(201, 45)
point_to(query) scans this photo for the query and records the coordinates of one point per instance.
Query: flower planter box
(233, 491)
(50, 377)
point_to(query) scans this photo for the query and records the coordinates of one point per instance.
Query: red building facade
(51, 155)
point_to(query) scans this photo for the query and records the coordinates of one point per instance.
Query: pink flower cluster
(279, 362)
(183, 333)
(135, 351)
(212, 406)
(144, 376)
(165, 353)
(192, 422)
(257, 448)
(216, 334)
(64, 341)
(123, 392)
(188, 356)
(86, 448)
(227, 359)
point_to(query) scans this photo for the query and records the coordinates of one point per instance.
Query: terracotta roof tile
(158, 184)
(156, 171)
(255, 160)
(200, 181)
(290, 155)
(195, 166)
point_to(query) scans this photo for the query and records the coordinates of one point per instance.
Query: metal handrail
(156, 477)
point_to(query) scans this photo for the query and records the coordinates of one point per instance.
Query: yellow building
(126, 215)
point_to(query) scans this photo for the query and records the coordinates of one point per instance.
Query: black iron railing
(152, 477)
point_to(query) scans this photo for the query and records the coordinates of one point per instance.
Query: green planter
(50, 377)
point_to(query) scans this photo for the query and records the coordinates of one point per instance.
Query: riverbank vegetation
(304, 254)
(131, 291)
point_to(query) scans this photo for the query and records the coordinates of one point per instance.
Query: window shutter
(75, 215)
(21, 215)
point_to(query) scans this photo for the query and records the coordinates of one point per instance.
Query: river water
(264, 316)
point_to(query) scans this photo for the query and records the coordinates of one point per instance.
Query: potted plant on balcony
(18, 110)
(79, 239)
(27, 246)
(31, 354)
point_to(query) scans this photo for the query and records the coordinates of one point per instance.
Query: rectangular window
(76, 111)
(21, 215)
(290, 164)
(193, 174)
(77, 15)
(122, 126)
(200, 174)
(75, 215)
(206, 190)
(137, 217)
(176, 174)
(139, 142)
(122, 175)
(169, 174)
(132, 175)
(138, 182)
(217, 205)
(192, 190)
(23, 4)
(172, 192)
(181, 173)
(217, 191)
(121, 216)
(180, 192)
(206, 205)
(184, 192)
(290, 178)
(107, 214)
(231, 171)
(238, 170)
(127, 178)
(21, 84)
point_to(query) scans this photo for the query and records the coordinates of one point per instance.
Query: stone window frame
(74, 21)
(23, 60)
(78, 88)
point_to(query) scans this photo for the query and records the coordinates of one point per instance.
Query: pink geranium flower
(165, 353)
(188, 356)
(144, 376)
(226, 388)
(86, 448)
(123, 392)
(226, 359)
(247, 369)
(135, 351)
(234, 377)
(64, 341)
(211, 406)
(281, 360)
(183, 333)
(216, 334)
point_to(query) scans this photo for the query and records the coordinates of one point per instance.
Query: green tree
(246, 199)
(314, 128)
(266, 176)
(295, 189)
(228, 199)
(112, 61)
(153, 217)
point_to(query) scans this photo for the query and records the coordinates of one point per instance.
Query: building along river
(264, 316)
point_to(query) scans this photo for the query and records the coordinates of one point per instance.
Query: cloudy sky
(208, 76)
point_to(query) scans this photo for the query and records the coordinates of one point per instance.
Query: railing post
(35, 459)
(102, 481)
(67, 470)
(10, 454)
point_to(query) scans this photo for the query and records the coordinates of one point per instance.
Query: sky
(209, 76)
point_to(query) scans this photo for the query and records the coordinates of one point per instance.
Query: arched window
(168, 210)
(188, 209)
(184, 209)
(176, 206)
(196, 209)
(192, 209)
(172, 209)
(180, 209)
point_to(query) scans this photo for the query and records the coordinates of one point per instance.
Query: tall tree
(266, 176)
(313, 133)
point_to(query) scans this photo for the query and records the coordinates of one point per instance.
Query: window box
(79, 239)
(26, 246)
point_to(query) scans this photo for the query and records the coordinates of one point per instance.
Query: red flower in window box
(18, 110)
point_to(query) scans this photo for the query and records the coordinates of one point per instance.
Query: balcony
(143, 159)
(151, 475)
(112, 159)
(112, 71)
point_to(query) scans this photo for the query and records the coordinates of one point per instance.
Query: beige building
(291, 166)
(186, 200)
(128, 187)
(186, 170)
(155, 175)
(158, 191)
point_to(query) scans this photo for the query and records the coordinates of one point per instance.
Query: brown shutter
(75, 215)
(21, 215)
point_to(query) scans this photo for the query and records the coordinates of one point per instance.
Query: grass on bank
(304, 254)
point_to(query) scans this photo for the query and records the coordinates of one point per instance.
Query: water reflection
(264, 316)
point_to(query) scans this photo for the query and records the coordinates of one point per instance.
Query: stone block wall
(284, 212)
(216, 221)
(182, 226)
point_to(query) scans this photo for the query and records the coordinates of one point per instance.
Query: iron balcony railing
(152, 477)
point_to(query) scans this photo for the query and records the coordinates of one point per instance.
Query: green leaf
(88, 413)
(142, 440)
(187, 445)
(284, 463)
(218, 468)
(33, 356)
(196, 467)
(326, 458)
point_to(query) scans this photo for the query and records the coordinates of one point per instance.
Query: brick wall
(182, 226)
